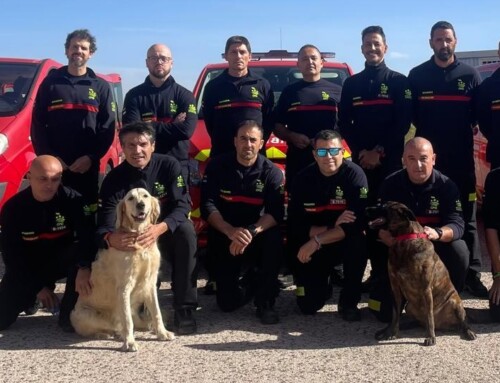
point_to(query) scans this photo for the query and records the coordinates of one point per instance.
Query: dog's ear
(120, 213)
(155, 210)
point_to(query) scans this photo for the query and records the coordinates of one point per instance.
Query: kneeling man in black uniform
(435, 200)
(160, 175)
(326, 217)
(44, 233)
(242, 199)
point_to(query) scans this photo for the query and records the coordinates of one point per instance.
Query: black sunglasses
(322, 152)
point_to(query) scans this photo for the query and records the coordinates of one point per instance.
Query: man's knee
(495, 312)
(311, 303)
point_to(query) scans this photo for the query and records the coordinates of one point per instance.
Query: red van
(19, 82)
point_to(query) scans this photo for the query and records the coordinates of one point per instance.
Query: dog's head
(137, 210)
(395, 217)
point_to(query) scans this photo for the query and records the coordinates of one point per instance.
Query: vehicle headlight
(4, 143)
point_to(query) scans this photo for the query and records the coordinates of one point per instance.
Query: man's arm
(40, 119)
(106, 122)
(184, 123)
(207, 108)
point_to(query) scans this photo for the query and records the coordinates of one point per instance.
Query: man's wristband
(318, 243)
(253, 230)
(496, 275)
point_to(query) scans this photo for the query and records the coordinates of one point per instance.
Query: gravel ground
(237, 348)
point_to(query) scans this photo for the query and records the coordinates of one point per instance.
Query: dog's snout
(140, 205)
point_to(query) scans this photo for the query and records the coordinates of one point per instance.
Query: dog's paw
(469, 334)
(165, 335)
(130, 346)
(431, 341)
(386, 334)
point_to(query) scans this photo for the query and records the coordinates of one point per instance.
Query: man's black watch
(252, 229)
(439, 232)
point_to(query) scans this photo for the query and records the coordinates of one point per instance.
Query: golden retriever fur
(124, 280)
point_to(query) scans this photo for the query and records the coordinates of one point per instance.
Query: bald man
(168, 106)
(44, 233)
(435, 200)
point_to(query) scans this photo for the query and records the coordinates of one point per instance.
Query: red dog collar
(411, 236)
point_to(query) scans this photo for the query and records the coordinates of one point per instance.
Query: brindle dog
(417, 274)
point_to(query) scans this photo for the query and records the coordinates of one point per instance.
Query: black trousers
(18, 291)
(179, 248)
(260, 261)
(312, 278)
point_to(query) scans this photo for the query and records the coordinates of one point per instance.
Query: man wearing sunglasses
(169, 107)
(325, 214)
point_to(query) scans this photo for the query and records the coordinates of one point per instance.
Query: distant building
(476, 58)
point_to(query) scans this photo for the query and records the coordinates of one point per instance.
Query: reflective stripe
(301, 108)
(256, 105)
(300, 291)
(243, 199)
(472, 197)
(374, 305)
(444, 98)
(373, 102)
(90, 108)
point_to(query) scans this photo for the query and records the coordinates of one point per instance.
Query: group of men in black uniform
(243, 193)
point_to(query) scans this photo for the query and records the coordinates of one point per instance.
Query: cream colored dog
(124, 280)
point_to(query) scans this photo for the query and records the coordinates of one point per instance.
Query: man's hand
(298, 140)
(181, 117)
(236, 248)
(81, 164)
(347, 216)
(151, 234)
(49, 300)
(123, 241)
(386, 237)
(495, 292)
(431, 233)
(369, 159)
(83, 285)
(307, 250)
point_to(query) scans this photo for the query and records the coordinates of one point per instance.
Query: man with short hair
(242, 200)
(435, 201)
(74, 118)
(488, 115)
(161, 176)
(166, 105)
(444, 90)
(305, 108)
(326, 217)
(374, 116)
(236, 95)
(45, 231)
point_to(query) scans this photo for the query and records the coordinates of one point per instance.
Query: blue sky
(196, 31)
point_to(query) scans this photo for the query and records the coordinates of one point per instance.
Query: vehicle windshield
(15, 84)
(280, 77)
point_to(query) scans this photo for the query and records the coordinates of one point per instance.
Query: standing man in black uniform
(74, 118)
(491, 214)
(242, 200)
(375, 114)
(305, 108)
(325, 214)
(444, 99)
(44, 233)
(435, 201)
(161, 176)
(166, 105)
(234, 96)
(488, 115)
